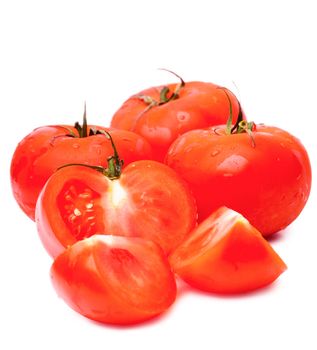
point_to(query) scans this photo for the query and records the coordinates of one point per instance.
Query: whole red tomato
(147, 199)
(262, 172)
(225, 254)
(160, 114)
(46, 148)
(112, 279)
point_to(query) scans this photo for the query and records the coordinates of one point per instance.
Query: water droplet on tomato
(97, 149)
(188, 149)
(182, 116)
(215, 152)
(76, 145)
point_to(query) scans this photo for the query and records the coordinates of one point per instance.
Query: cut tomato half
(148, 200)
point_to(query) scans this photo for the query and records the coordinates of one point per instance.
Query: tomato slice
(149, 200)
(113, 279)
(226, 254)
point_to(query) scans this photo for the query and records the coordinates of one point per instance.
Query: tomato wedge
(147, 200)
(112, 279)
(226, 254)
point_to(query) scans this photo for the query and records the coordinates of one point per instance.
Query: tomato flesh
(226, 254)
(113, 279)
(79, 208)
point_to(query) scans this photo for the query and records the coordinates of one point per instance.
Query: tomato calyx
(114, 169)
(114, 162)
(165, 94)
(241, 125)
(82, 129)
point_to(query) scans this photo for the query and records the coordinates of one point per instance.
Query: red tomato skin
(149, 200)
(117, 280)
(47, 148)
(225, 254)
(269, 183)
(200, 104)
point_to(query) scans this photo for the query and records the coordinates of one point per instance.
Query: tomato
(264, 173)
(225, 254)
(148, 199)
(45, 149)
(112, 279)
(160, 114)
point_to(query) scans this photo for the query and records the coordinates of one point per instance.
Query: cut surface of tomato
(79, 206)
(148, 200)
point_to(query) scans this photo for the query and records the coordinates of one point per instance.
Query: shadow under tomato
(278, 236)
(184, 289)
(141, 324)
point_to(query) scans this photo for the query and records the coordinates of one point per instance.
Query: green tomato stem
(241, 126)
(164, 94)
(114, 169)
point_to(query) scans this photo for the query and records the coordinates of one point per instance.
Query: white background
(57, 54)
